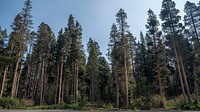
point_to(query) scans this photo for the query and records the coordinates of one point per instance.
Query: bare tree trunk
(45, 87)
(5, 74)
(75, 82)
(35, 93)
(27, 81)
(15, 76)
(179, 70)
(125, 73)
(17, 85)
(117, 90)
(60, 81)
(57, 83)
(67, 88)
(185, 79)
(42, 82)
(4, 80)
(72, 83)
(76, 94)
(30, 87)
(63, 86)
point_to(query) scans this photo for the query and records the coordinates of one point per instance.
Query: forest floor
(92, 111)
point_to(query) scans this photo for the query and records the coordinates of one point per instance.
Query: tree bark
(15, 77)
(125, 73)
(185, 79)
(5, 74)
(67, 88)
(60, 81)
(4, 80)
(17, 84)
(62, 89)
(57, 84)
(179, 70)
(27, 81)
(174, 45)
(76, 94)
(42, 82)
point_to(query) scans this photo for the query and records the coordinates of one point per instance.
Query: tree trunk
(17, 85)
(42, 82)
(67, 89)
(117, 90)
(4, 80)
(60, 81)
(62, 89)
(27, 81)
(125, 73)
(57, 84)
(185, 79)
(15, 77)
(5, 74)
(75, 81)
(76, 91)
(72, 83)
(44, 85)
(179, 70)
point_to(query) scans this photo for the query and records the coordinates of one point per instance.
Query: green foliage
(92, 69)
(150, 62)
(191, 106)
(75, 106)
(11, 103)
(148, 102)
(175, 103)
(27, 102)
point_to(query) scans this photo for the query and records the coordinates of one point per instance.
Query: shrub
(27, 102)
(191, 106)
(175, 103)
(11, 103)
(147, 103)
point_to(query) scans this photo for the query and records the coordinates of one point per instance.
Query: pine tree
(113, 53)
(29, 37)
(4, 58)
(43, 49)
(141, 67)
(27, 21)
(105, 82)
(19, 48)
(158, 63)
(76, 53)
(171, 26)
(92, 69)
(191, 21)
(60, 64)
(121, 20)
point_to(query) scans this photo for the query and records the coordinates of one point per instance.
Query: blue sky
(95, 16)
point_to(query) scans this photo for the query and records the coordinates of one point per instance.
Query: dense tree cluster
(52, 70)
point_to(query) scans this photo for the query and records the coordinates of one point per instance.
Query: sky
(95, 16)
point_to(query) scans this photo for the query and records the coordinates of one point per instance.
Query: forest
(159, 69)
